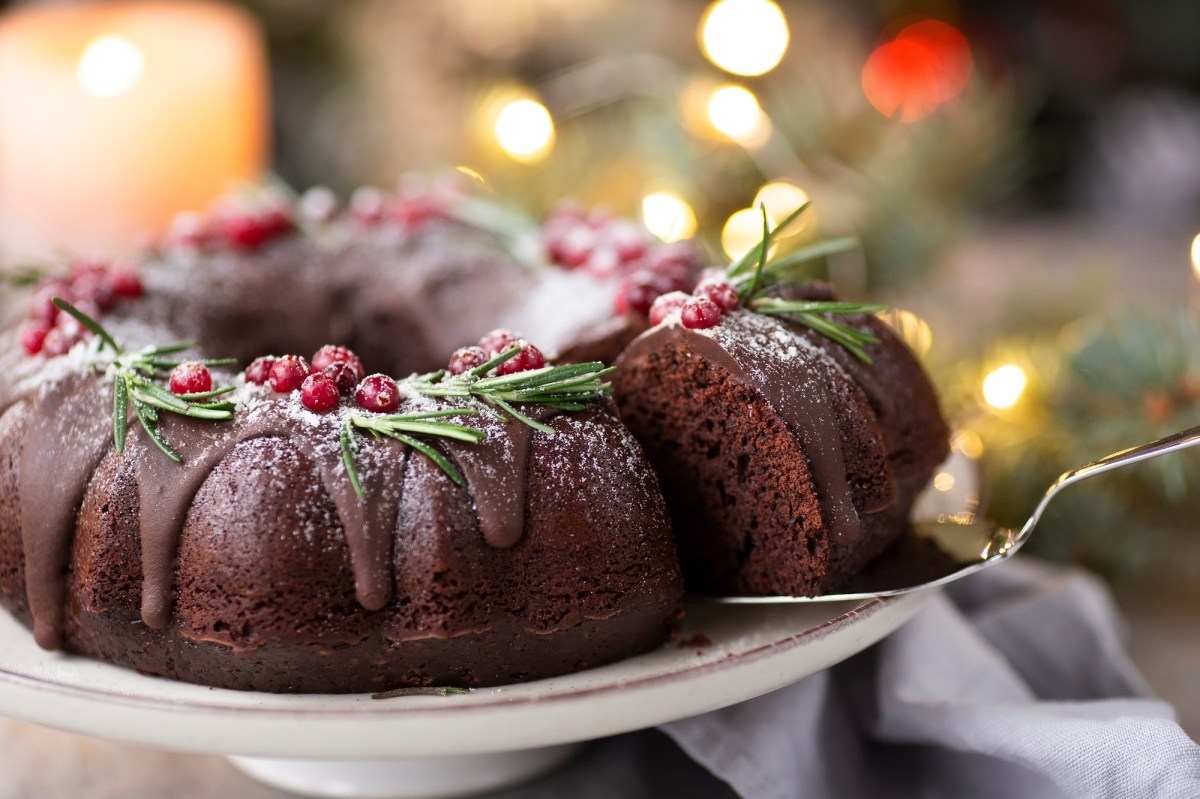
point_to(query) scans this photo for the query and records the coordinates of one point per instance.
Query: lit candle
(116, 116)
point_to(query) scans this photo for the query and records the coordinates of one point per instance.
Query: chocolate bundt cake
(790, 432)
(300, 526)
(309, 528)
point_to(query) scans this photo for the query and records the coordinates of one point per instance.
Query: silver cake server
(976, 543)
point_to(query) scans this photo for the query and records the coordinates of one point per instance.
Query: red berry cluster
(334, 372)
(710, 300)
(614, 247)
(240, 229)
(93, 286)
(491, 345)
(407, 207)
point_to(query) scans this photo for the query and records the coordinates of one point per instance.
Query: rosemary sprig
(817, 315)
(399, 427)
(564, 387)
(134, 375)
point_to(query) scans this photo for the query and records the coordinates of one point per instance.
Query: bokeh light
(745, 37)
(110, 66)
(968, 442)
(944, 481)
(782, 198)
(742, 231)
(927, 64)
(1003, 387)
(525, 130)
(1196, 256)
(668, 216)
(734, 111)
(912, 329)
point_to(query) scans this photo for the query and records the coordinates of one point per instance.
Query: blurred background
(1024, 178)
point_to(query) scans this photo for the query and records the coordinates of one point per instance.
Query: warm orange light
(927, 64)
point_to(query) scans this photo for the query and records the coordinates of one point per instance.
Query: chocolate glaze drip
(495, 476)
(53, 486)
(63, 444)
(789, 376)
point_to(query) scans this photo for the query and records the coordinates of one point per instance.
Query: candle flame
(110, 66)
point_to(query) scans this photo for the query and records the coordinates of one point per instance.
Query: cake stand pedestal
(406, 778)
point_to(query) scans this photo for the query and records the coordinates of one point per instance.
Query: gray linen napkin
(1013, 683)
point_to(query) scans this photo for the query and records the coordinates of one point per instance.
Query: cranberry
(191, 378)
(378, 393)
(244, 230)
(343, 376)
(627, 239)
(190, 229)
(288, 373)
(699, 313)
(319, 392)
(498, 341)
(95, 286)
(603, 261)
(720, 291)
(667, 305)
(530, 357)
(33, 336)
(466, 359)
(58, 342)
(573, 247)
(368, 205)
(126, 283)
(259, 371)
(71, 326)
(88, 266)
(41, 306)
(318, 204)
(412, 211)
(638, 292)
(331, 354)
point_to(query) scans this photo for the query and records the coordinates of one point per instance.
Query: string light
(745, 37)
(1003, 387)
(734, 111)
(668, 216)
(944, 481)
(110, 66)
(742, 231)
(525, 130)
(967, 442)
(781, 199)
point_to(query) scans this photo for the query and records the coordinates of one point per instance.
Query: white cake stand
(412, 746)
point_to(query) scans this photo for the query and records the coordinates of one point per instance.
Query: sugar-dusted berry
(378, 393)
(191, 377)
(319, 392)
(699, 313)
(666, 306)
(530, 357)
(331, 354)
(466, 359)
(720, 291)
(288, 373)
(259, 371)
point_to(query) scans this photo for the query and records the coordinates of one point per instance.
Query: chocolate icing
(494, 470)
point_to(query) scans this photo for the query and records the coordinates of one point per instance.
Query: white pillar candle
(116, 116)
